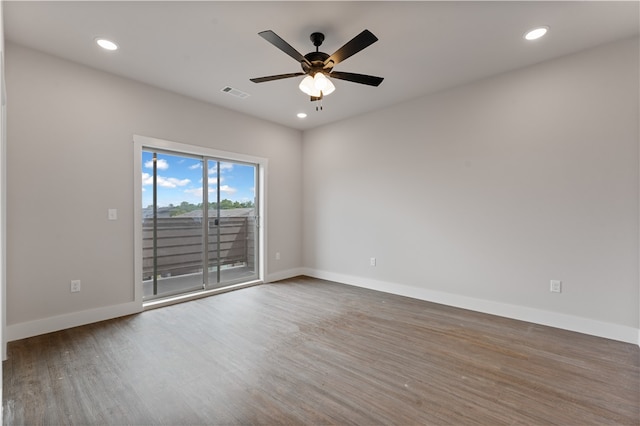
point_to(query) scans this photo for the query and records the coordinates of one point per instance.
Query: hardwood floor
(306, 351)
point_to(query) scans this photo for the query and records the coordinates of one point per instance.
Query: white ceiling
(197, 48)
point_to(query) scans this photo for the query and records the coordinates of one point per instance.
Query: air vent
(235, 92)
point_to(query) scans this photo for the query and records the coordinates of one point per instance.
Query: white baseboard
(74, 319)
(522, 313)
(536, 316)
(283, 275)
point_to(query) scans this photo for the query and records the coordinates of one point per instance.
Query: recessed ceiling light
(106, 44)
(536, 33)
(302, 115)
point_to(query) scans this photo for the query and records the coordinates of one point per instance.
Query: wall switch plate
(277, 255)
(113, 214)
(555, 286)
(75, 286)
(372, 261)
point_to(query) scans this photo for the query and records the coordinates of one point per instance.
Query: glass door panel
(232, 236)
(173, 229)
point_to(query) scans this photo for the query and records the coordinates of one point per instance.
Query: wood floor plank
(307, 351)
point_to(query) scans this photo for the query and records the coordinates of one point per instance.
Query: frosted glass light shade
(317, 85)
(307, 86)
(329, 88)
(320, 81)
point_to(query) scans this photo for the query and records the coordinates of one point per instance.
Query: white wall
(474, 197)
(478, 196)
(70, 158)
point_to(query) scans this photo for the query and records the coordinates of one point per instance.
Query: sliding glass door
(199, 223)
(232, 222)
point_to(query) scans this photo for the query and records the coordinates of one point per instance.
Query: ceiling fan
(317, 66)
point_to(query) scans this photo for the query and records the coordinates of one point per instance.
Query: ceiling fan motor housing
(316, 59)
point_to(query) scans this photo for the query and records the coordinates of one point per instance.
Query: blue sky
(180, 179)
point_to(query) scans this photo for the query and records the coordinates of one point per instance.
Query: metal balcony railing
(180, 244)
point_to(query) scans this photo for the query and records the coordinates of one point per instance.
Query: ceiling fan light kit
(317, 86)
(318, 66)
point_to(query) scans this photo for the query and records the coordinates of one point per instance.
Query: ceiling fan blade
(356, 44)
(275, 77)
(278, 42)
(357, 78)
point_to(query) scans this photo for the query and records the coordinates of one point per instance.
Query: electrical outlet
(372, 261)
(277, 255)
(75, 286)
(555, 286)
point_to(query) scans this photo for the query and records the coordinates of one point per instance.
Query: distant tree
(184, 207)
(226, 204)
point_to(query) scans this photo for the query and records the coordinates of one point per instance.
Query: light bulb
(320, 81)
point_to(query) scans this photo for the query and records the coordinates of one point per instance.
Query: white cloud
(172, 182)
(164, 182)
(195, 192)
(212, 181)
(224, 167)
(147, 179)
(161, 164)
(227, 189)
(195, 166)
